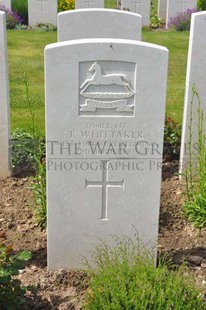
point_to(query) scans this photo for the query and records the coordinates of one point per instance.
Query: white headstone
(196, 68)
(141, 7)
(79, 24)
(178, 6)
(105, 106)
(42, 12)
(162, 9)
(82, 4)
(5, 155)
(6, 4)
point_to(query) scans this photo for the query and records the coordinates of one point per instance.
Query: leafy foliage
(201, 5)
(195, 205)
(155, 21)
(12, 18)
(21, 7)
(39, 189)
(29, 152)
(11, 291)
(125, 278)
(25, 149)
(181, 22)
(172, 139)
(44, 27)
(64, 5)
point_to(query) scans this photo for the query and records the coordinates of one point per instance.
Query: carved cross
(89, 3)
(136, 4)
(182, 4)
(43, 5)
(104, 184)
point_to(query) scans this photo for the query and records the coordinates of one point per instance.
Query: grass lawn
(26, 49)
(26, 56)
(177, 44)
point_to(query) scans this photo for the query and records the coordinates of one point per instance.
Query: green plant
(39, 184)
(44, 27)
(21, 7)
(195, 205)
(11, 291)
(201, 5)
(12, 18)
(21, 27)
(125, 277)
(39, 189)
(24, 148)
(181, 22)
(30, 153)
(64, 5)
(172, 138)
(155, 21)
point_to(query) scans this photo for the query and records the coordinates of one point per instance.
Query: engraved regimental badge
(106, 88)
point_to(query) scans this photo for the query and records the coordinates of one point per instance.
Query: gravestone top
(141, 7)
(79, 24)
(42, 12)
(81, 4)
(104, 157)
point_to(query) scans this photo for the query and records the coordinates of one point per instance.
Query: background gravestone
(42, 12)
(162, 9)
(178, 6)
(141, 7)
(82, 4)
(104, 157)
(6, 3)
(79, 24)
(196, 68)
(5, 156)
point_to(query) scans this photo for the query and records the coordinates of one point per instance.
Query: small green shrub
(201, 5)
(155, 22)
(11, 291)
(124, 277)
(195, 205)
(29, 153)
(172, 139)
(39, 189)
(64, 5)
(25, 149)
(21, 7)
(44, 27)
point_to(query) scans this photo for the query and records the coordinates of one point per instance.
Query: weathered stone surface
(105, 107)
(42, 12)
(79, 24)
(141, 7)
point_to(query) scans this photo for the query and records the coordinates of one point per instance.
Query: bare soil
(66, 290)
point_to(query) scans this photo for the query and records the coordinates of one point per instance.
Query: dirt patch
(66, 290)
